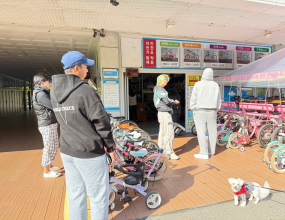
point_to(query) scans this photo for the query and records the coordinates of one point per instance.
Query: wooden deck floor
(25, 194)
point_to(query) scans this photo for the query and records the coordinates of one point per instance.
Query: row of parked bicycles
(238, 123)
(140, 158)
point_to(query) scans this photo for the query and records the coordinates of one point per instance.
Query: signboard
(111, 98)
(260, 52)
(169, 54)
(192, 55)
(149, 53)
(192, 80)
(110, 74)
(132, 72)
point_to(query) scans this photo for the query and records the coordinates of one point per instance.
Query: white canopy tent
(267, 72)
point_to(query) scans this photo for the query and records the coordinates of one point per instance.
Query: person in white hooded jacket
(205, 102)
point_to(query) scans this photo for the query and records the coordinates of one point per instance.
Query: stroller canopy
(267, 72)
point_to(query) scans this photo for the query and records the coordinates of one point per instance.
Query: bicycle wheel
(160, 170)
(226, 126)
(187, 57)
(233, 138)
(150, 145)
(196, 57)
(268, 151)
(222, 138)
(278, 161)
(264, 135)
(275, 135)
(214, 57)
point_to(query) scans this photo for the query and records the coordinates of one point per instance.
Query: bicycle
(238, 139)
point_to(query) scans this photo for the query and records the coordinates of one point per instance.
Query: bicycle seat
(127, 126)
(139, 153)
(245, 127)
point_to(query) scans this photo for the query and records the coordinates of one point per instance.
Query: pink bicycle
(169, 55)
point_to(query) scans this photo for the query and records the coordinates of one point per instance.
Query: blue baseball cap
(74, 58)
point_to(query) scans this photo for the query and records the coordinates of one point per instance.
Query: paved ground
(272, 208)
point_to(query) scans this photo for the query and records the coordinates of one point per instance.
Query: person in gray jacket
(205, 102)
(47, 123)
(163, 105)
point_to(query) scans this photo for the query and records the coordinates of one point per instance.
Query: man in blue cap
(85, 131)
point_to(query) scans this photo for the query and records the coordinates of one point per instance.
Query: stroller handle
(177, 125)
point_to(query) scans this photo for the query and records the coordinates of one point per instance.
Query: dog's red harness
(242, 191)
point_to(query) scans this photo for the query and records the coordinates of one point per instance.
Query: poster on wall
(191, 80)
(192, 55)
(225, 56)
(111, 98)
(260, 52)
(149, 53)
(243, 56)
(211, 56)
(169, 54)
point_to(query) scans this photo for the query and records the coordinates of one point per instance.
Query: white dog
(241, 189)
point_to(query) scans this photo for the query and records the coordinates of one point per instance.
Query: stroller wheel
(152, 200)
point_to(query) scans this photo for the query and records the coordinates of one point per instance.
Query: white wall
(109, 58)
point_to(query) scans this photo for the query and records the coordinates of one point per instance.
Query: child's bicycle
(232, 124)
(244, 135)
(269, 150)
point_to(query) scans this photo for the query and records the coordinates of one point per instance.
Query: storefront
(183, 60)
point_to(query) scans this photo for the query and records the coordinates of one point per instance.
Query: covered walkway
(25, 194)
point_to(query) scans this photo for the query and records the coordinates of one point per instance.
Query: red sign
(149, 53)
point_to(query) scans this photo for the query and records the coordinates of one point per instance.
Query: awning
(266, 72)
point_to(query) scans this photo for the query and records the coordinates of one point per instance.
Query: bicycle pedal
(120, 192)
(125, 199)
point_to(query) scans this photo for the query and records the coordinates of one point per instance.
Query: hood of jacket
(208, 74)
(38, 88)
(64, 85)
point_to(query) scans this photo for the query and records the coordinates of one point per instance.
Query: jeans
(87, 176)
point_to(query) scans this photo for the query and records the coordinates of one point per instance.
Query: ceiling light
(102, 33)
(267, 34)
(170, 24)
(114, 2)
(95, 33)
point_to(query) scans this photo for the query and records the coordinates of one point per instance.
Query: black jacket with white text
(84, 124)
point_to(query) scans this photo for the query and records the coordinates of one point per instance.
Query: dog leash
(271, 189)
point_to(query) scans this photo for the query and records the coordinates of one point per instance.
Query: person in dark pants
(133, 104)
(173, 94)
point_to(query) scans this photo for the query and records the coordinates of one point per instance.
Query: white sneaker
(52, 174)
(200, 156)
(173, 156)
(54, 168)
